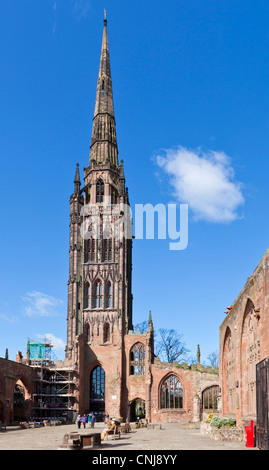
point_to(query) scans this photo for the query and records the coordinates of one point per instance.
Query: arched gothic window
(107, 249)
(98, 295)
(91, 249)
(210, 399)
(137, 359)
(109, 295)
(171, 395)
(100, 191)
(97, 389)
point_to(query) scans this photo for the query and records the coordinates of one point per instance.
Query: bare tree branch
(213, 359)
(170, 346)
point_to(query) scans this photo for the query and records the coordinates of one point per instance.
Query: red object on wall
(250, 434)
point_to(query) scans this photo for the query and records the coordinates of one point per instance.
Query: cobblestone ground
(171, 437)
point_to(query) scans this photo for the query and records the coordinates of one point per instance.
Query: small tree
(213, 359)
(142, 327)
(169, 347)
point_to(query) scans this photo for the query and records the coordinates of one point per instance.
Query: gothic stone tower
(99, 286)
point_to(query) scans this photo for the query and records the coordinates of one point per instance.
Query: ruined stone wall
(11, 373)
(244, 342)
(194, 379)
(123, 387)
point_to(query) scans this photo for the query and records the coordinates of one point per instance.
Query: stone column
(196, 409)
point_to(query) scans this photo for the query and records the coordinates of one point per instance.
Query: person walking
(84, 420)
(89, 420)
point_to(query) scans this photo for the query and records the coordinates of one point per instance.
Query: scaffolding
(53, 395)
(40, 352)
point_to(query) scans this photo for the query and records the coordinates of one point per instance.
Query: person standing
(78, 421)
(93, 419)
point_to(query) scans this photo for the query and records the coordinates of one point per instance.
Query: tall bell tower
(100, 267)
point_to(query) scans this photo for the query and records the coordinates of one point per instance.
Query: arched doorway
(97, 392)
(228, 371)
(137, 409)
(210, 400)
(19, 402)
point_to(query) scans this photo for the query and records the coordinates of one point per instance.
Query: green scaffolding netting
(37, 350)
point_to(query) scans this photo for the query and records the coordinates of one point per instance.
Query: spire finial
(198, 354)
(150, 323)
(105, 20)
(104, 136)
(77, 180)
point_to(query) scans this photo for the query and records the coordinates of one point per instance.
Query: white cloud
(10, 319)
(55, 19)
(204, 181)
(81, 7)
(57, 343)
(41, 305)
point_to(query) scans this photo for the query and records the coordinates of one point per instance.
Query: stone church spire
(104, 147)
(77, 180)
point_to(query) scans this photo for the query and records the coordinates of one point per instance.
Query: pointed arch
(107, 249)
(98, 294)
(21, 400)
(228, 385)
(137, 409)
(249, 357)
(97, 389)
(137, 359)
(210, 399)
(109, 297)
(171, 392)
(91, 249)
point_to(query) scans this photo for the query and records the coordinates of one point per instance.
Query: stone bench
(154, 426)
(90, 440)
(76, 441)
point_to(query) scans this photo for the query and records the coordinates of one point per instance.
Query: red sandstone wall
(122, 388)
(247, 325)
(109, 357)
(10, 373)
(193, 383)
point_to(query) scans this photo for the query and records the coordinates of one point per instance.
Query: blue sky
(191, 93)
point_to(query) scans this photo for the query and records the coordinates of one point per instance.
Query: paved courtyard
(171, 437)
